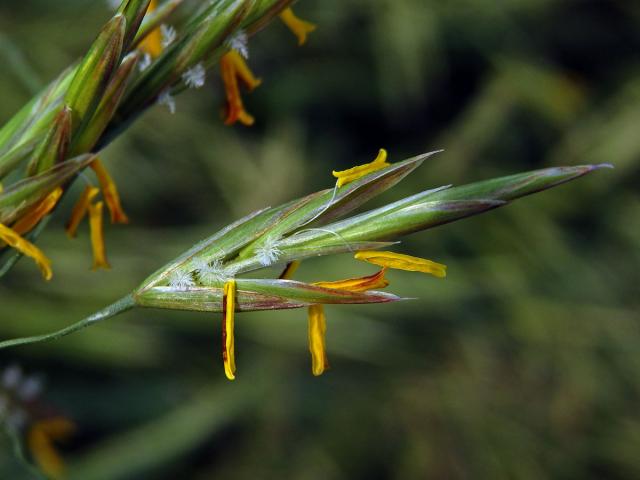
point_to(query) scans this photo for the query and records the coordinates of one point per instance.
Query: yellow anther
(233, 67)
(317, 339)
(27, 248)
(318, 321)
(80, 209)
(352, 174)
(152, 43)
(97, 236)
(300, 28)
(110, 192)
(360, 284)
(41, 438)
(228, 339)
(403, 262)
(33, 216)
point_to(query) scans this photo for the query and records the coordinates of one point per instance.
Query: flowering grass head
(220, 268)
(137, 60)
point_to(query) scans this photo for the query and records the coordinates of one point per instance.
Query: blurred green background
(524, 363)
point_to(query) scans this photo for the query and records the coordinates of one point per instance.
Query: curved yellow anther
(233, 67)
(300, 28)
(152, 43)
(354, 173)
(318, 321)
(110, 192)
(80, 209)
(360, 284)
(97, 236)
(317, 339)
(40, 439)
(27, 248)
(403, 262)
(228, 339)
(33, 216)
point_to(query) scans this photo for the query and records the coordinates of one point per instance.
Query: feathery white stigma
(211, 272)
(11, 377)
(268, 253)
(195, 76)
(168, 35)
(30, 388)
(181, 280)
(144, 62)
(165, 98)
(240, 43)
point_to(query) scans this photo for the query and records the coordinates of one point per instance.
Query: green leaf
(133, 12)
(330, 204)
(95, 71)
(111, 99)
(23, 194)
(222, 244)
(53, 148)
(17, 155)
(436, 207)
(16, 129)
(255, 295)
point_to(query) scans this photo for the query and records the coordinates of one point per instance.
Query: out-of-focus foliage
(523, 363)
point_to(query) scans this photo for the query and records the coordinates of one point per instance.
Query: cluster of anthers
(234, 70)
(30, 421)
(86, 204)
(268, 254)
(317, 322)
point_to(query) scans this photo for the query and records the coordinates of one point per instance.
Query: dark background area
(524, 363)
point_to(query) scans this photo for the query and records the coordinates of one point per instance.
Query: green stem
(112, 310)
